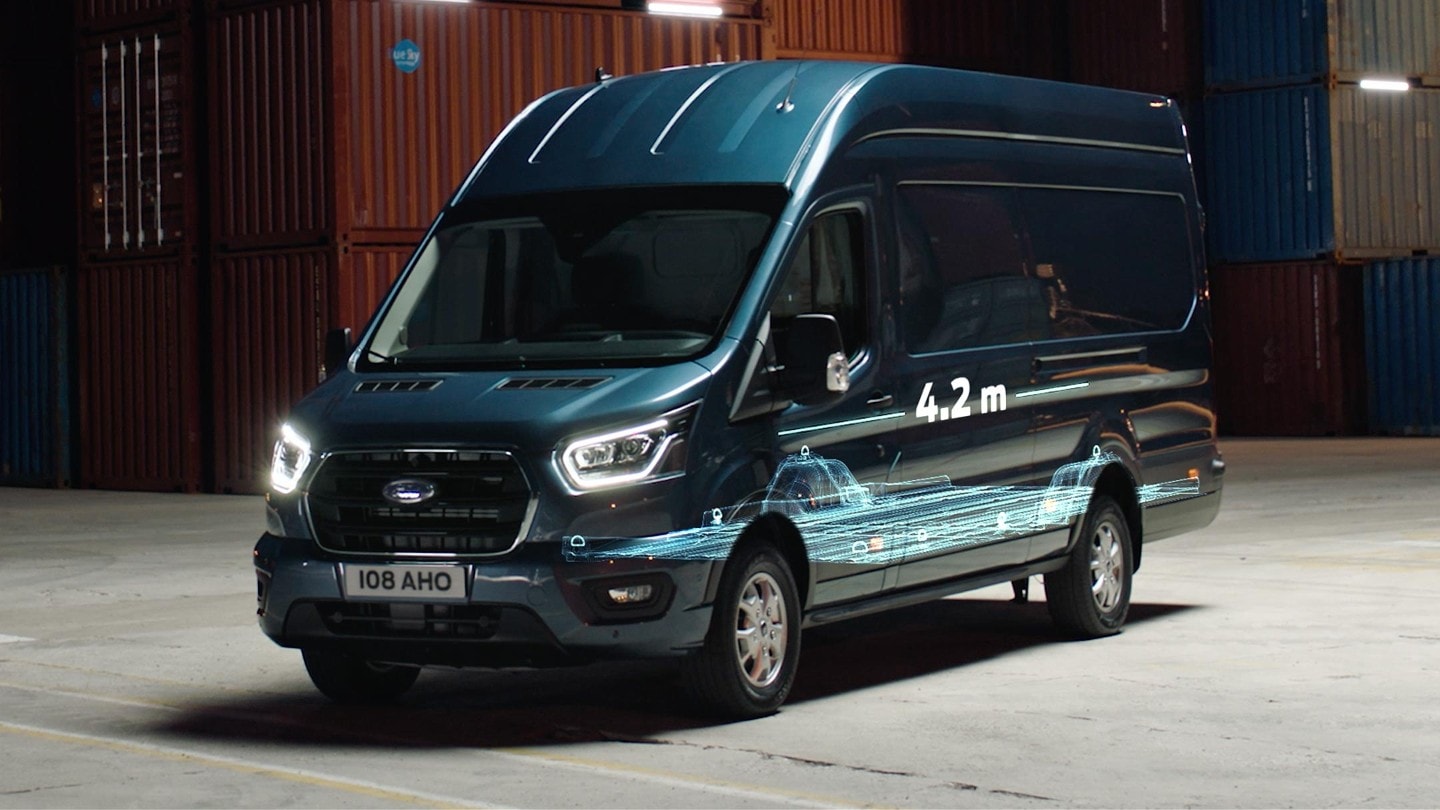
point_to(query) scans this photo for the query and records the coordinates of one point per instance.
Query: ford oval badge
(408, 491)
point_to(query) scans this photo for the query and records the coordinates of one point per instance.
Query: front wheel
(747, 665)
(1090, 596)
(347, 679)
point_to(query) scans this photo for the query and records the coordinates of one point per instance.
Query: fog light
(631, 594)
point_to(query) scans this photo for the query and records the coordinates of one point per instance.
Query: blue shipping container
(1308, 172)
(1402, 346)
(1258, 43)
(1268, 174)
(35, 431)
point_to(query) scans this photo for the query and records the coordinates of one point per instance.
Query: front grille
(479, 506)
(404, 620)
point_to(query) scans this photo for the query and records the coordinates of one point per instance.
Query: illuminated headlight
(292, 457)
(622, 457)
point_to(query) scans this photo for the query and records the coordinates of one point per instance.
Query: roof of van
(761, 122)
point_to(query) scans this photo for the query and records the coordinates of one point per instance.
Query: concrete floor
(1289, 655)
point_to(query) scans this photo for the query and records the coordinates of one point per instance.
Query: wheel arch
(776, 530)
(1116, 482)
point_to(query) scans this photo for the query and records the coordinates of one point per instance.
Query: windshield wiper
(371, 354)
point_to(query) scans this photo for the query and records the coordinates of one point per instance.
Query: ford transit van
(697, 359)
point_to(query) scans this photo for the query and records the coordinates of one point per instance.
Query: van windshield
(597, 277)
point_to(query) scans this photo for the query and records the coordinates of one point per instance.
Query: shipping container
(37, 152)
(352, 121)
(1289, 356)
(139, 378)
(35, 411)
(1402, 346)
(137, 146)
(1147, 45)
(1253, 43)
(1019, 37)
(1306, 172)
(108, 15)
(269, 313)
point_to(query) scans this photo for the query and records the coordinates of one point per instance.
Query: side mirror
(337, 349)
(813, 356)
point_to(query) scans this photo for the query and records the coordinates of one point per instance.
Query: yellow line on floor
(303, 777)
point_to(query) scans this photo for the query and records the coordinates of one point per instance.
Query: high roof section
(760, 122)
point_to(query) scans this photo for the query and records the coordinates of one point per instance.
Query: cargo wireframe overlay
(844, 521)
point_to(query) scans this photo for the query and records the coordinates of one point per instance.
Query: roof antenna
(787, 105)
(601, 75)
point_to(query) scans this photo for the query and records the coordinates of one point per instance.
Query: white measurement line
(4, 639)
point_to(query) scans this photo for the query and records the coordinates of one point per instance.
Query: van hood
(527, 411)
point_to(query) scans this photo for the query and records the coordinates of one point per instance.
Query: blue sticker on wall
(406, 55)
(97, 99)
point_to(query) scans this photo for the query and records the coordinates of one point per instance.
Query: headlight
(623, 456)
(292, 457)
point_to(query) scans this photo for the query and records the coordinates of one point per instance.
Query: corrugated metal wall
(1269, 175)
(102, 15)
(270, 146)
(1289, 357)
(1250, 43)
(1385, 152)
(136, 349)
(1022, 37)
(1402, 345)
(269, 313)
(410, 133)
(366, 273)
(35, 432)
(137, 144)
(1145, 45)
(1303, 172)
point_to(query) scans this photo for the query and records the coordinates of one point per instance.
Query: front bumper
(529, 608)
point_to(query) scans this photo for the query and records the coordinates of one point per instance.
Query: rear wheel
(347, 679)
(1090, 596)
(747, 665)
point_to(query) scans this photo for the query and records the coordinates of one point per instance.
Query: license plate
(424, 583)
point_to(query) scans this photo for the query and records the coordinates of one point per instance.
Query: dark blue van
(699, 358)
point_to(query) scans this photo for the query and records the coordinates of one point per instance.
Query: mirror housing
(337, 349)
(813, 356)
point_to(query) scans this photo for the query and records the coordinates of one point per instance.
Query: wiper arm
(371, 354)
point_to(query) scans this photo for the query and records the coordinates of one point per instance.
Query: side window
(964, 269)
(1110, 262)
(828, 276)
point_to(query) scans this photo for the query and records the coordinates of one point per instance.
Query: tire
(347, 679)
(739, 674)
(1090, 596)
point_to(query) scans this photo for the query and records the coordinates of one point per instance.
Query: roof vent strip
(396, 386)
(572, 383)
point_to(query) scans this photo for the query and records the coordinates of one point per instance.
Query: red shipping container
(1019, 37)
(137, 193)
(269, 314)
(136, 352)
(109, 15)
(1289, 349)
(1146, 45)
(352, 121)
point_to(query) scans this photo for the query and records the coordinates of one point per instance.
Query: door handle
(880, 400)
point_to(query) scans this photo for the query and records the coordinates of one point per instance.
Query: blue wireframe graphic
(844, 521)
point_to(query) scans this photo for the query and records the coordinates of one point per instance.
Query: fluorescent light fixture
(685, 9)
(1390, 85)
